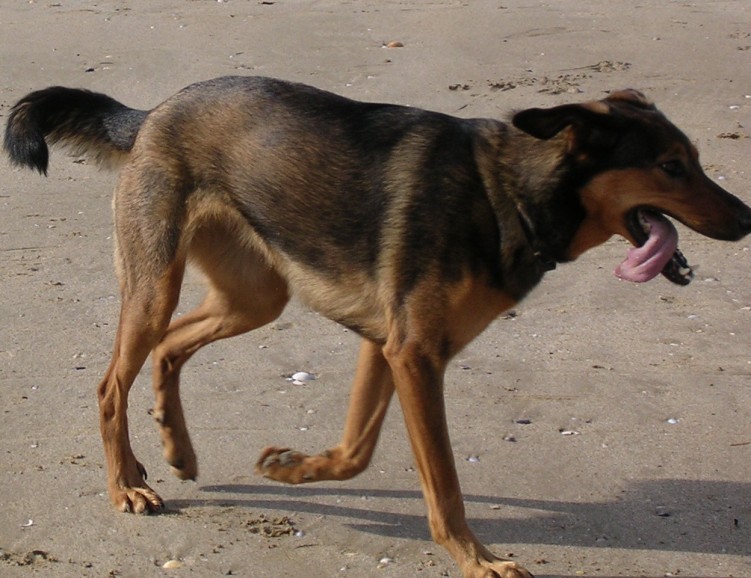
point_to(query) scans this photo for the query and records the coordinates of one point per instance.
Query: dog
(414, 229)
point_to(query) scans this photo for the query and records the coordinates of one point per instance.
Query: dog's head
(636, 167)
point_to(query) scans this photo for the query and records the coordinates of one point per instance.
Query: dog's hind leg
(145, 313)
(371, 393)
(150, 260)
(244, 293)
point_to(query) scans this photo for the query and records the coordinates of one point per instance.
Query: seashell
(385, 561)
(301, 377)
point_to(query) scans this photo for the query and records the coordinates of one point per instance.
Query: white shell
(301, 377)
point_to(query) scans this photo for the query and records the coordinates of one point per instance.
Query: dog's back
(293, 159)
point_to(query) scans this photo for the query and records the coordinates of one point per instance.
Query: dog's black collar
(546, 261)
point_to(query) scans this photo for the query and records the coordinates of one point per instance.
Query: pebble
(172, 564)
(673, 420)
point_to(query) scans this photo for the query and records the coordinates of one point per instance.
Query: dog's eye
(673, 169)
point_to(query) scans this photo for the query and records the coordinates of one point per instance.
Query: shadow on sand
(669, 515)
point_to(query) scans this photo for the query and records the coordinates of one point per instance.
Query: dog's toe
(272, 458)
(283, 465)
(138, 501)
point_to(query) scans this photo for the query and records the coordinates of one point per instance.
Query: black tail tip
(744, 224)
(24, 141)
(27, 151)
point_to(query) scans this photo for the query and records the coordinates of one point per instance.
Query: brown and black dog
(413, 228)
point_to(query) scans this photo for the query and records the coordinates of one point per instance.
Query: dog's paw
(291, 467)
(284, 465)
(130, 493)
(176, 445)
(184, 464)
(140, 500)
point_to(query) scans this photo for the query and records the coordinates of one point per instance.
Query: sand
(630, 405)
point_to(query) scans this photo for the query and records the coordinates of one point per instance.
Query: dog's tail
(87, 122)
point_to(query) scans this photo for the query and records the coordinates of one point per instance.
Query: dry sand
(629, 494)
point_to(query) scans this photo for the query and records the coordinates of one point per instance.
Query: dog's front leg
(418, 374)
(372, 391)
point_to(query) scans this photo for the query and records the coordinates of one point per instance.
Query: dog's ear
(545, 123)
(631, 97)
(591, 121)
(592, 127)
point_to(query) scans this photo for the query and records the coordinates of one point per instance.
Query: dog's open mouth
(657, 251)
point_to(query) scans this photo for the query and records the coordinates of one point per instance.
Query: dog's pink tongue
(646, 262)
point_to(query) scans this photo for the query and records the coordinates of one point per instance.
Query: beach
(602, 428)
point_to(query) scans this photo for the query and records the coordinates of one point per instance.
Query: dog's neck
(532, 191)
(524, 255)
(518, 187)
(541, 252)
(543, 187)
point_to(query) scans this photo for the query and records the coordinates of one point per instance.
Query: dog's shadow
(670, 515)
